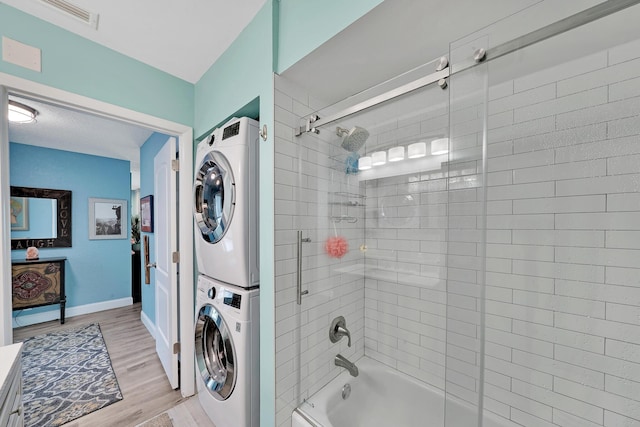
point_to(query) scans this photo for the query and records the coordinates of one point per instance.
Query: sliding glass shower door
(466, 208)
(381, 197)
(364, 237)
(562, 277)
(329, 231)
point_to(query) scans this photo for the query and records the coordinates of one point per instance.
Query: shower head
(354, 139)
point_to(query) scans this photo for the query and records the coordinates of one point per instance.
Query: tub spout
(342, 361)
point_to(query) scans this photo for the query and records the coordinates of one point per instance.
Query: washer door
(214, 193)
(215, 353)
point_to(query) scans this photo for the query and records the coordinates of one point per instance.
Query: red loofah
(336, 247)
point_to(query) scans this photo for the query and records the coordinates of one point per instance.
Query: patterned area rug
(66, 375)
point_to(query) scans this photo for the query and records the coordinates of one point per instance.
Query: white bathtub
(381, 396)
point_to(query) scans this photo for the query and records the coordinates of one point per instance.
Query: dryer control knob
(211, 293)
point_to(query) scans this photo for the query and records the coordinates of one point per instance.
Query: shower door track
(576, 20)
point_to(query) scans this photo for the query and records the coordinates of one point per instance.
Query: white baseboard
(31, 319)
(151, 327)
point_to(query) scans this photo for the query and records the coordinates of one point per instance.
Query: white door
(166, 238)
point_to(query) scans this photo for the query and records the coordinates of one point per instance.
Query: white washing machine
(227, 353)
(226, 204)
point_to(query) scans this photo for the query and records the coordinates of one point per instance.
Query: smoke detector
(75, 11)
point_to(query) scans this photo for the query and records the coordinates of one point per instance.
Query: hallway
(144, 386)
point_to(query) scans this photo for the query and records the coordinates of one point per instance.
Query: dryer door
(215, 353)
(214, 192)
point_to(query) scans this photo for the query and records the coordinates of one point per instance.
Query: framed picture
(19, 214)
(146, 214)
(108, 219)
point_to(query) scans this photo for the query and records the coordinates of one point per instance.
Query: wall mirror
(40, 217)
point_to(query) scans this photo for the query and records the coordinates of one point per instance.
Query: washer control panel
(231, 299)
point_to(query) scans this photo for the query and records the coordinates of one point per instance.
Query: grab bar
(299, 273)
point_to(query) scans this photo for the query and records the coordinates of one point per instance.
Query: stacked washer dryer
(227, 299)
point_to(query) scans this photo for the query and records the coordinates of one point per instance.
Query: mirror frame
(63, 202)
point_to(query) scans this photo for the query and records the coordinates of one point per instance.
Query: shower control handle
(338, 330)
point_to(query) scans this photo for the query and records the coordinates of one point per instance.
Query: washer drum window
(214, 193)
(215, 353)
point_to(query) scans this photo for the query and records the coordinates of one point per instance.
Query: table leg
(62, 306)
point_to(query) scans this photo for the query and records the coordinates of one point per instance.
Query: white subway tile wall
(313, 194)
(562, 337)
(565, 285)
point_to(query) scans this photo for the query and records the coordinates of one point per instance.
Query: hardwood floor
(145, 389)
(189, 413)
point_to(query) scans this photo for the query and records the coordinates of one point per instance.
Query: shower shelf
(348, 203)
(349, 195)
(339, 163)
(390, 275)
(346, 206)
(344, 218)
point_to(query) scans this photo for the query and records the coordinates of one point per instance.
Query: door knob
(152, 265)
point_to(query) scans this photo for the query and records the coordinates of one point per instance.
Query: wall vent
(77, 12)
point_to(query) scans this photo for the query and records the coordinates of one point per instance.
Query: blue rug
(66, 375)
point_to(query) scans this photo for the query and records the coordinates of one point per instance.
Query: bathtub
(381, 396)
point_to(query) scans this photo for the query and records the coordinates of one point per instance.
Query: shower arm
(341, 131)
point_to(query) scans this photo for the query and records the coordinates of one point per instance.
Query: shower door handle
(301, 240)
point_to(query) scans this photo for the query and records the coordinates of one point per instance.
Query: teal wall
(304, 25)
(239, 83)
(77, 65)
(148, 152)
(241, 75)
(283, 32)
(91, 277)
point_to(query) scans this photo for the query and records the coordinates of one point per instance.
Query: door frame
(185, 225)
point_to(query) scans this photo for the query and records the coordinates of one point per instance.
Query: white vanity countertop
(8, 356)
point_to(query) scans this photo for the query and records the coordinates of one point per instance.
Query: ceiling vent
(77, 12)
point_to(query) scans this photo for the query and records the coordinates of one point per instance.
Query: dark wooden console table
(39, 282)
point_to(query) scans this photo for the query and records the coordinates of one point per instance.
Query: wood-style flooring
(145, 388)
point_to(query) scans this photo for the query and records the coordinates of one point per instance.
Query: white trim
(185, 141)
(46, 316)
(36, 90)
(6, 333)
(151, 327)
(186, 286)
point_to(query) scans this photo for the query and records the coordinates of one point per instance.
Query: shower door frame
(576, 20)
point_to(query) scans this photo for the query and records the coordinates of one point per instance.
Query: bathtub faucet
(342, 361)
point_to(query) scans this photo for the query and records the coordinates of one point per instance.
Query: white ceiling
(181, 37)
(67, 129)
